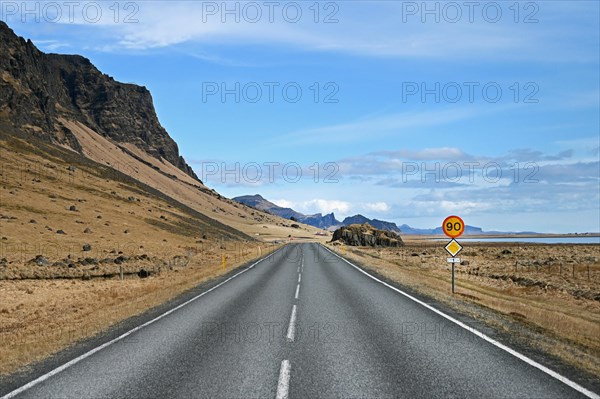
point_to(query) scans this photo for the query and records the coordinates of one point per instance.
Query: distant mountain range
(316, 220)
(329, 221)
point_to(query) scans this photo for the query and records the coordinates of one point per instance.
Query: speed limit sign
(453, 226)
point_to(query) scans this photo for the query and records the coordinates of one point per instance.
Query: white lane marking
(492, 341)
(291, 332)
(300, 277)
(283, 385)
(70, 363)
(297, 291)
(298, 269)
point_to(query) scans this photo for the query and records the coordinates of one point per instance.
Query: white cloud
(377, 206)
(427, 154)
(51, 45)
(317, 205)
(325, 206)
(170, 23)
(283, 203)
(328, 206)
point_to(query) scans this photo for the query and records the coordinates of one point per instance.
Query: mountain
(42, 92)
(329, 222)
(322, 221)
(79, 135)
(317, 220)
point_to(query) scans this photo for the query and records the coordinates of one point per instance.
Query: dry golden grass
(40, 317)
(183, 188)
(533, 285)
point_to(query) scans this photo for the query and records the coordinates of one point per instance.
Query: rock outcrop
(38, 90)
(365, 235)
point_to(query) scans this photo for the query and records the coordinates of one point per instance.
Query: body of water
(539, 240)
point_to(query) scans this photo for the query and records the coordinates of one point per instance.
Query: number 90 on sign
(453, 226)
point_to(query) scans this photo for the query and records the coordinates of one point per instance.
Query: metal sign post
(453, 227)
(453, 278)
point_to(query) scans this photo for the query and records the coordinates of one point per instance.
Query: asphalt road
(304, 324)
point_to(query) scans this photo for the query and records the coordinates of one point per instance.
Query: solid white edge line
(297, 291)
(283, 385)
(291, 332)
(76, 360)
(492, 341)
(300, 277)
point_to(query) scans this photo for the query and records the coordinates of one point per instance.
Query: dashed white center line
(283, 386)
(291, 332)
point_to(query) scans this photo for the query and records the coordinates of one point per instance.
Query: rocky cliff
(366, 235)
(38, 91)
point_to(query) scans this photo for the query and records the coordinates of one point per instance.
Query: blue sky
(410, 111)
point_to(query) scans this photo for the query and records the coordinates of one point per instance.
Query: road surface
(301, 324)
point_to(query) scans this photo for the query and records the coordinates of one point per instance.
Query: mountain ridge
(259, 202)
(43, 90)
(64, 104)
(330, 222)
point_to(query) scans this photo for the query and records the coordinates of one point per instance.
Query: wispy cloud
(379, 126)
(163, 24)
(441, 153)
(51, 45)
(341, 208)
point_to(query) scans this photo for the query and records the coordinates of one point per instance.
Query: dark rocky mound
(38, 89)
(365, 235)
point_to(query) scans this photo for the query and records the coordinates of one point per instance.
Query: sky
(398, 110)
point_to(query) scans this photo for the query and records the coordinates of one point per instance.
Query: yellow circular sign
(453, 226)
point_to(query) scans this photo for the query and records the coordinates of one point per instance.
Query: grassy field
(553, 290)
(70, 226)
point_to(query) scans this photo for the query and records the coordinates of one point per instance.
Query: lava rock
(40, 261)
(121, 259)
(143, 273)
